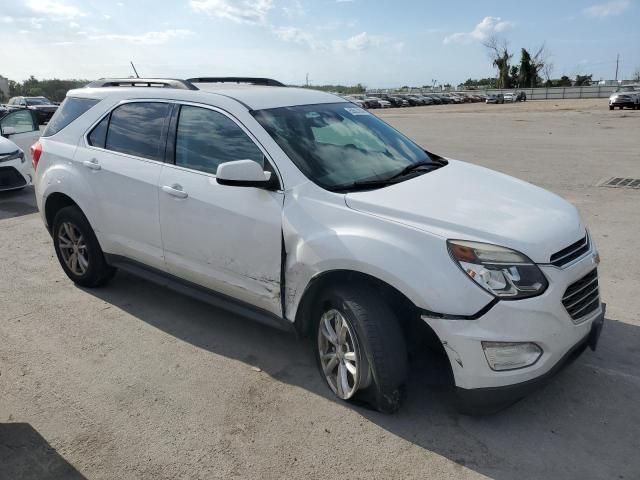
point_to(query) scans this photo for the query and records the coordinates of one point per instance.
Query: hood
(468, 202)
(7, 146)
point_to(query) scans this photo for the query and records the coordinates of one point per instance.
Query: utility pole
(617, 64)
(308, 79)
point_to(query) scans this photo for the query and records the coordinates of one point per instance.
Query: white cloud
(148, 38)
(240, 11)
(54, 8)
(294, 9)
(607, 9)
(487, 27)
(296, 35)
(359, 42)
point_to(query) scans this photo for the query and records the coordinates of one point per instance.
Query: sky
(377, 43)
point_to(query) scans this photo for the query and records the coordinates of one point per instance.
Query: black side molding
(199, 292)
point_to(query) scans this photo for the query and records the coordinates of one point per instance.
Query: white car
(296, 208)
(510, 97)
(19, 130)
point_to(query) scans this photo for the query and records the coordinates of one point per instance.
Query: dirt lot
(133, 381)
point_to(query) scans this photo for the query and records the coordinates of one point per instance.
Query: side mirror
(6, 131)
(244, 173)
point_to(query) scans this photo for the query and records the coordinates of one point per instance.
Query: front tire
(360, 347)
(78, 250)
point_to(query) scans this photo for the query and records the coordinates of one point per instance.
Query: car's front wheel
(360, 347)
(78, 250)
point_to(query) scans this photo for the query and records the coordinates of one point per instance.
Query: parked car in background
(43, 107)
(495, 98)
(19, 130)
(384, 103)
(300, 210)
(354, 100)
(627, 96)
(509, 97)
(521, 96)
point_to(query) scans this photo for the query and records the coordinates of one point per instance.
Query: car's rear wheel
(78, 250)
(610, 107)
(360, 348)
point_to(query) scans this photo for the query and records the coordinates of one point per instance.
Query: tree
(531, 66)
(500, 58)
(583, 80)
(563, 82)
(515, 72)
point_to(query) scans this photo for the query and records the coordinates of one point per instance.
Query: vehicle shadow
(583, 424)
(17, 203)
(25, 454)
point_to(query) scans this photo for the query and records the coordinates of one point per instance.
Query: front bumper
(542, 320)
(14, 175)
(491, 399)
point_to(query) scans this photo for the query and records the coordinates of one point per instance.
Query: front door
(21, 127)
(227, 239)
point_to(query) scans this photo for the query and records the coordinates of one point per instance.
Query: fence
(553, 93)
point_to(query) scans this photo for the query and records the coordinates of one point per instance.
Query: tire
(373, 335)
(610, 107)
(73, 235)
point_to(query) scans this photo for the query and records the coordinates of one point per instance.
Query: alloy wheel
(73, 248)
(338, 352)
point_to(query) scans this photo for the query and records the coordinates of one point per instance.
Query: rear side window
(71, 108)
(98, 136)
(137, 129)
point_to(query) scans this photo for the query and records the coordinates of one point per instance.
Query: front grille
(11, 178)
(582, 297)
(570, 253)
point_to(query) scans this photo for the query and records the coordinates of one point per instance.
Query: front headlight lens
(12, 156)
(501, 271)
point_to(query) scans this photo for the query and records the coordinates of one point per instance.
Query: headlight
(12, 156)
(501, 271)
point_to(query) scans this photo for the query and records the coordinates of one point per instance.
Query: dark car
(395, 101)
(42, 106)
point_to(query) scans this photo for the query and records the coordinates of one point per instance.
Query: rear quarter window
(70, 109)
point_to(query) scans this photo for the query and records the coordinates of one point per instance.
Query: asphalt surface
(134, 381)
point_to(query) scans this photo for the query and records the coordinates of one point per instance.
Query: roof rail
(268, 82)
(142, 82)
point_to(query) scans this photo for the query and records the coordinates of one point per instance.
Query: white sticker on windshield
(356, 111)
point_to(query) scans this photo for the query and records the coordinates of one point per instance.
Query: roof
(260, 98)
(253, 96)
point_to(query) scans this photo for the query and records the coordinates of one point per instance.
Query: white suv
(298, 209)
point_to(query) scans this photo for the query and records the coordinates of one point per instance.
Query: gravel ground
(134, 381)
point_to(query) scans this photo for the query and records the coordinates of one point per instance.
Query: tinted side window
(136, 129)
(98, 135)
(21, 120)
(206, 138)
(70, 109)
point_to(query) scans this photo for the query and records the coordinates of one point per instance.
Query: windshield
(339, 144)
(37, 101)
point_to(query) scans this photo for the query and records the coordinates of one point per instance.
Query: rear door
(121, 162)
(225, 238)
(24, 127)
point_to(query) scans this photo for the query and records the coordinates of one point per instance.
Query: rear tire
(372, 357)
(610, 107)
(78, 250)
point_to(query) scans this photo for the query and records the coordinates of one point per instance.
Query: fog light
(510, 356)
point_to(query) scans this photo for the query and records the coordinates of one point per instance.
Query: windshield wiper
(434, 164)
(363, 185)
(415, 166)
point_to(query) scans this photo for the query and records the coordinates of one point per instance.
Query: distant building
(4, 86)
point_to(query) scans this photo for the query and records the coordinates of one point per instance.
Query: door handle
(175, 190)
(92, 164)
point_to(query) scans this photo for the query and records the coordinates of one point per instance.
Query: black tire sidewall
(97, 267)
(380, 342)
